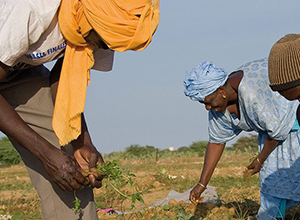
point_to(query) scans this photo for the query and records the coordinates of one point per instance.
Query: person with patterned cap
(243, 101)
(42, 110)
(284, 66)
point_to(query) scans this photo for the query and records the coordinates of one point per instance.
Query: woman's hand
(196, 193)
(88, 159)
(63, 169)
(213, 154)
(268, 147)
(255, 166)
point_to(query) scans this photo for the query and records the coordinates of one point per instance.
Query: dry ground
(239, 194)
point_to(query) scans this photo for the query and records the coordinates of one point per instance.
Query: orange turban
(121, 24)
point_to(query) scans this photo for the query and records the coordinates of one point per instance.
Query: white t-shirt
(29, 34)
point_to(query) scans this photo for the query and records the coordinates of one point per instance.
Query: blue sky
(141, 100)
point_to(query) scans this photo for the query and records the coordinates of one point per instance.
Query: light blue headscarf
(204, 80)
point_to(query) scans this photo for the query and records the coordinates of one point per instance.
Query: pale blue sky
(141, 100)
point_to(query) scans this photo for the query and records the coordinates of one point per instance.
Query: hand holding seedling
(89, 159)
(116, 178)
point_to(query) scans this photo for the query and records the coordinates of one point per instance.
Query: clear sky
(141, 100)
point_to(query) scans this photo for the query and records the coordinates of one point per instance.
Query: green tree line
(9, 156)
(243, 144)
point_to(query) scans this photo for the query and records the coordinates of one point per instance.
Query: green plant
(116, 178)
(182, 214)
(8, 154)
(76, 203)
(166, 207)
(246, 144)
(199, 147)
(16, 217)
(239, 212)
(254, 156)
(137, 151)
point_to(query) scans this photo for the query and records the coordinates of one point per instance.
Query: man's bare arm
(59, 165)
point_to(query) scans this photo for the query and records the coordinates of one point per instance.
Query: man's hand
(63, 169)
(88, 159)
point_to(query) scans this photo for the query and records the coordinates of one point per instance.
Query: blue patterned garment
(269, 114)
(204, 80)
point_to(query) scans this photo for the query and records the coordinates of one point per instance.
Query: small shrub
(183, 149)
(8, 154)
(137, 151)
(199, 147)
(246, 144)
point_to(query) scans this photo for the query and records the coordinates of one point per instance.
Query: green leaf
(116, 177)
(166, 207)
(139, 198)
(130, 182)
(76, 204)
(133, 197)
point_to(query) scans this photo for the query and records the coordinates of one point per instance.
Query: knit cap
(284, 63)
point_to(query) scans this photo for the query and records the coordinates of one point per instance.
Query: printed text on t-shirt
(45, 53)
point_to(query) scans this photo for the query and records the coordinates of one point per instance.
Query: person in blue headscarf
(243, 101)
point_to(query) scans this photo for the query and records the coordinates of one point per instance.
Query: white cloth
(29, 33)
(209, 196)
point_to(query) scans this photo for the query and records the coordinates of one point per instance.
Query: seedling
(116, 177)
(76, 203)
(254, 157)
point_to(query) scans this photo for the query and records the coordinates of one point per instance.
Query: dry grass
(239, 194)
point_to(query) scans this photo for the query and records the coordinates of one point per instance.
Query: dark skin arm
(85, 153)
(212, 156)
(60, 166)
(256, 164)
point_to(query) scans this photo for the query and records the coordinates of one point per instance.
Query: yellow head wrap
(121, 24)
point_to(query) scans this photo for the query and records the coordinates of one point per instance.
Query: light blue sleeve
(221, 127)
(264, 110)
(269, 112)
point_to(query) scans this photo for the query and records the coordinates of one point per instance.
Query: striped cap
(284, 63)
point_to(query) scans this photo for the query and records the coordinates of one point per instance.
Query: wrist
(45, 152)
(202, 185)
(83, 140)
(260, 161)
(38, 146)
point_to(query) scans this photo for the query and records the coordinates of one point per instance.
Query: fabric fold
(122, 25)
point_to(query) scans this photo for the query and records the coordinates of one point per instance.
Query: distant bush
(183, 149)
(137, 151)
(140, 152)
(8, 154)
(114, 154)
(246, 144)
(199, 147)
